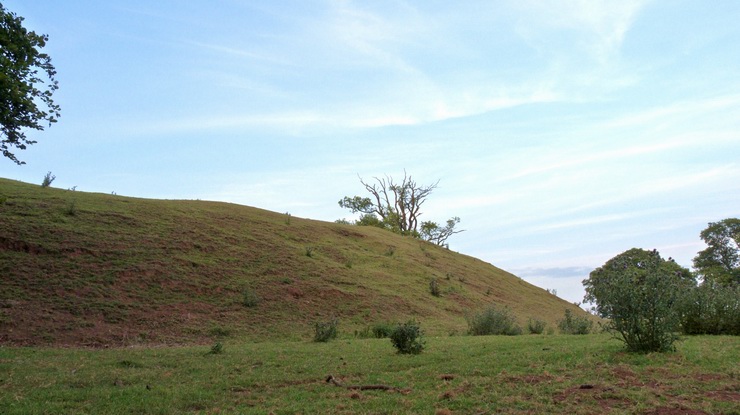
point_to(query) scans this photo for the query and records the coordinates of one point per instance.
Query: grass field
(459, 375)
(99, 270)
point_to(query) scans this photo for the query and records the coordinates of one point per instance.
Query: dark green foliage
(493, 321)
(640, 293)
(720, 262)
(377, 331)
(217, 348)
(309, 251)
(326, 330)
(433, 232)
(712, 309)
(407, 338)
(369, 219)
(536, 326)
(250, 298)
(25, 97)
(571, 324)
(383, 330)
(434, 287)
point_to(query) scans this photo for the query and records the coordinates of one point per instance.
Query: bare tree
(398, 208)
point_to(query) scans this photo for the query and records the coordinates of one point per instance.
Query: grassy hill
(103, 270)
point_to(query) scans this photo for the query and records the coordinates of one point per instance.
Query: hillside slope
(103, 270)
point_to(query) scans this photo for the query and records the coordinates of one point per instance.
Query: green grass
(487, 374)
(127, 271)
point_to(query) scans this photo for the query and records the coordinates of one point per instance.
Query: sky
(562, 132)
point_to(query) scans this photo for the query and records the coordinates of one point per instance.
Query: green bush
(640, 293)
(434, 287)
(71, 208)
(493, 321)
(407, 338)
(536, 326)
(383, 330)
(571, 324)
(249, 298)
(326, 330)
(711, 308)
(217, 348)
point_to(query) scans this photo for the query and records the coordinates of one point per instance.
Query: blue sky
(562, 132)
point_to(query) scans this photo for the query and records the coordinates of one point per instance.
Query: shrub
(493, 321)
(711, 309)
(250, 298)
(217, 348)
(640, 293)
(407, 338)
(71, 209)
(571, 324)
(536, 326)
(326, 330)
(383, 330)
(434, 287)
(48, 179)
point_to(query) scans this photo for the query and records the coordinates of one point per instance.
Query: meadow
(527, 374)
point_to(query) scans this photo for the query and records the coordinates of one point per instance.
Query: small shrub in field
(407, 338)
(493, 321)
(326, 330)
(217, 348)
(536, 326)
(48, 179)
(309, 251)
(571, 324)
(383, 330)
(249, 298)
(71, 208)
(434, 287)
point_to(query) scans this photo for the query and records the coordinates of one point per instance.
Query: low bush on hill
(407, 338)
(326, 330)
(493, 321)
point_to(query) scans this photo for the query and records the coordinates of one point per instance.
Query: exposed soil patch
(728, 396)
(21, 246)
(605, 396)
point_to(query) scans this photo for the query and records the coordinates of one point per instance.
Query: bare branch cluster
(397, 206)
